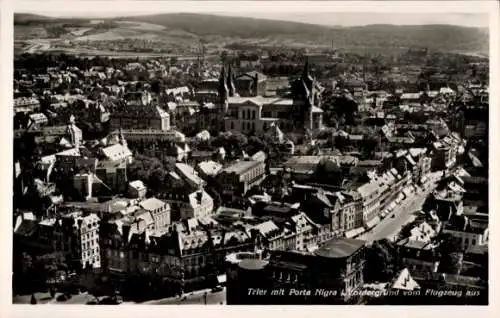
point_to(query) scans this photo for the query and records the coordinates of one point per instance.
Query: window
(253, 114)
(122, 255)
(473, 241)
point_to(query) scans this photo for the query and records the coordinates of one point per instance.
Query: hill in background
(212, 27)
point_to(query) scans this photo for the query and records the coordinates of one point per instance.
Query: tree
(231, 141)
(451, 254)
(27, 263)
(371, 144)
(148, 169)
(380, 262)
(49, 265)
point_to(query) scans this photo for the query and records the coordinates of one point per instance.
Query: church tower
(309, 97)
(223, 92)
(230, 82)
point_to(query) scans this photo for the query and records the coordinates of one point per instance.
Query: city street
(44, 298)
(404, 214)
(195, 298)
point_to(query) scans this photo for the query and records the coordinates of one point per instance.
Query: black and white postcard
(250, 153)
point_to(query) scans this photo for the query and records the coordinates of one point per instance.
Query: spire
(306, 77)
(222, 83)
(230, 81)
(305, 73)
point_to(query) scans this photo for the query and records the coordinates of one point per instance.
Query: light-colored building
(239, 177)
(418, 256)
(77, 235)
(370, 196)
(256, 113)
(199, 204)
(137, 189)
(26, 104)
(142, 114)
(470, 231)
(160, 211)
(89, 234)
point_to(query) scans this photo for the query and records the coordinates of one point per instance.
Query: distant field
(79, 31)
(29, 32)
(116, 34)
(142, 26)
(121, 31)
(181, 33)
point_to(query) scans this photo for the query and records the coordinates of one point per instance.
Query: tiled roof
(339, 248)
(152, 204)
(367, 189)
(26, 228)
(193, 199)
(241, 166)
(137, 184)
(117, 152)
(189, 173)
(266, 228)
(210, 168)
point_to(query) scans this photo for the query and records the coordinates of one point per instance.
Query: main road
(391, 225)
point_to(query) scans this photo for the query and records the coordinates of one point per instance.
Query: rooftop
(152, 204)
(339, 248)
(241, 166)
(210, 167)
(189, 173)
(421, 245)
(253, 264)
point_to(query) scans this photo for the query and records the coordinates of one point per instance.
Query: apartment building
(239, 177)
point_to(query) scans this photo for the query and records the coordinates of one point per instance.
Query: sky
(315, 12)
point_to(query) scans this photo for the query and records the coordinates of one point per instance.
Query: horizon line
(68, 15)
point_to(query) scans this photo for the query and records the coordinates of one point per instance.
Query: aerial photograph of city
(250, 158)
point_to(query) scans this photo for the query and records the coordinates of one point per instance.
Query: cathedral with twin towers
(244, 106)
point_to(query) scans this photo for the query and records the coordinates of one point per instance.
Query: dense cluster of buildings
(300, 222)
